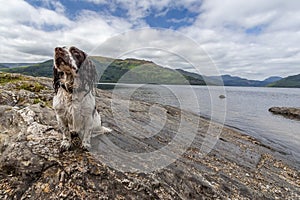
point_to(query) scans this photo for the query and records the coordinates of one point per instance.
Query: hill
(290, 81)
(12, 65)
(3, 66)
(132, 70)
(229, 80)
(38, 69)
(271, 79)
(195, 78)
(113, 70)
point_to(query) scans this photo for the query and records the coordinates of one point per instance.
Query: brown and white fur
(74, 76)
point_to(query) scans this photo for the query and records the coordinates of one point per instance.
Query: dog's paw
(65, 145)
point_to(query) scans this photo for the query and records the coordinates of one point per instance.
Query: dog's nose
(58, 49)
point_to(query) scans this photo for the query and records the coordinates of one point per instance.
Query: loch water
(243, 108)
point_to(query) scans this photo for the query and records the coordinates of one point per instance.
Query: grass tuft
(32, 87)
(8, 78)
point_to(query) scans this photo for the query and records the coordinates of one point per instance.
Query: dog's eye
(76, 54)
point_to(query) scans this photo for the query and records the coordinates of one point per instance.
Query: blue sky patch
(173, 18)
(256, 30)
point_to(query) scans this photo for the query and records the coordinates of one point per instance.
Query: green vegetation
(43, 102)
(139, 71)
(194, 78)
(6, 78)
(118, 70)
(40, 69)
(31, 86)
(290, 81)
(142, 71)
(35, 101)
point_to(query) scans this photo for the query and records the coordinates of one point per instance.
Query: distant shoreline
(108, 83)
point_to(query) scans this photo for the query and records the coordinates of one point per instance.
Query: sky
(251, 39)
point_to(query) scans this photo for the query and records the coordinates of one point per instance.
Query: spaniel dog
(74, 100)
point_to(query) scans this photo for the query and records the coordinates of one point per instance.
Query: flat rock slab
(32, 166)
(288, 112)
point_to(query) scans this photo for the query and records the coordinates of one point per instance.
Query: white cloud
(23, 38)
(164, 47)
(58, 7)
(97, 1)
(182, 20)
(29, 33)
(16, 11)
(222, 30)
(138, 9)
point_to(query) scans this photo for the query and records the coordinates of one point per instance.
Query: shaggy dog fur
(74, 76)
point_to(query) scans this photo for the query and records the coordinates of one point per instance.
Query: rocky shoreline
(288, 112)
(32, 167)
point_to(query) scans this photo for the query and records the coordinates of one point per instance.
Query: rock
(288, 112)
(32, 167)
(222, 96)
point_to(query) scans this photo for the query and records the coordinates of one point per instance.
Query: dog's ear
(56, 77)
(78, 55)
(88, 74)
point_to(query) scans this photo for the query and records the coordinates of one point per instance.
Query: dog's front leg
(66, 142)
(86, 140)
(87, 131)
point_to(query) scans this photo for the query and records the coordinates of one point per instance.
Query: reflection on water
(246, 109)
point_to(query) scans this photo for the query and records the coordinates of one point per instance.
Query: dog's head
(75, 63)
(68, 60)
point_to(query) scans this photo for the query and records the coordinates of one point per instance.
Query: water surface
(244, 108)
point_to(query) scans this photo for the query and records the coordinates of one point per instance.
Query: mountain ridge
(132, 70)
(290, 82)
(11, 65)
(272, 79)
